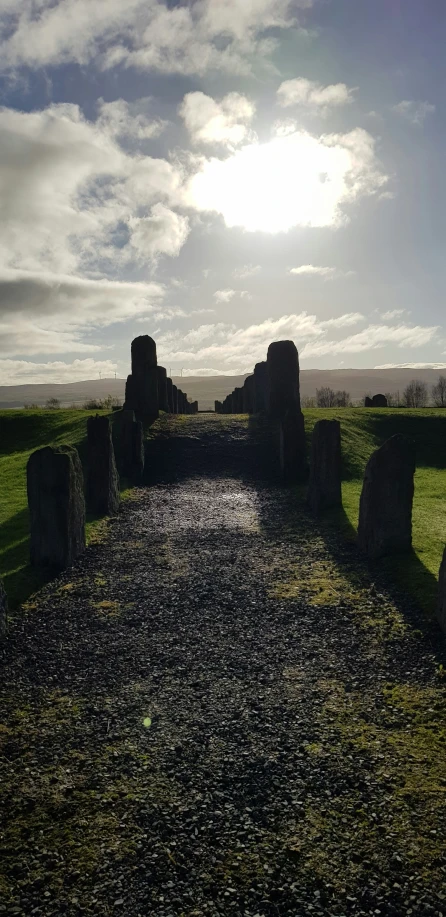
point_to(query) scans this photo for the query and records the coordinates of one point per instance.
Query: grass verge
(364, 430)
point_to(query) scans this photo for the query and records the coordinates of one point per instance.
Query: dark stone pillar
(163, 401)
(368, 403)
(248, 395)
(237, 401)
(169, 395)
(218, 407)
(56, 506)
(3, 610)
(102, 480)
(379, 401)
(441, 613)
(144, 386)
(325, 466)
(283, 373)
(261, 387)
(195, 407)
(175, 399)
(128, 441)
(292, 446)
(385, 509)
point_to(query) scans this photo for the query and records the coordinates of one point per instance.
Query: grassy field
(363, 430)
(21, 432)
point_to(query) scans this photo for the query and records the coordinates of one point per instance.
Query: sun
(293, 180)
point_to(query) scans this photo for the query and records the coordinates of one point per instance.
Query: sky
(220, 175)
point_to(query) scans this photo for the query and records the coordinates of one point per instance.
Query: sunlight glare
(293, 180)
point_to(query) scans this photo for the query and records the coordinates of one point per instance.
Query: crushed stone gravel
(219, 711)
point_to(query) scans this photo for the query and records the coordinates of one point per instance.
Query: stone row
(149, 389)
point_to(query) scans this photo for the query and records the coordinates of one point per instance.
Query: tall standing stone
(385, 509)
(194, 407)
(218, 407)
(163, 401)
(56, 506)
(175, 399)
(143, 387)
(284, 406)
(261, 387)
(248, 395)
(3, 610)
(442, 594)
(324, 489)
(169, 395)
(102, 479)
(237, 401)
(283, 373)
(128, 441)
(368, 402)
(292, 453)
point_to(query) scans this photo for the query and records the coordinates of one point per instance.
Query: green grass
(362, 431)
(21, 432)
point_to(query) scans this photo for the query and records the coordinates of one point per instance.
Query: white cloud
(327, 273)
(246, 270)
(313, 96)
(121, 119)
(393, 313)
(411, 366)
(163, 232)
(66, 188)
(373, 337)
(48, 313)
(226, 122)
(312, 269)
(227, 295)
(22, 372)
(294, 180)
(146, 34)
(415, 112)
(239, 349)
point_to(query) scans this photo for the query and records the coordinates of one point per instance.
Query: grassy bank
(362, 432)
(21, 432)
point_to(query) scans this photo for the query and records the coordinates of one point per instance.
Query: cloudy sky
(220, 174)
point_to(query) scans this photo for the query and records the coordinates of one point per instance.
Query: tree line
(415, 395)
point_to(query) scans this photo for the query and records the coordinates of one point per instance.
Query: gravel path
(216, 712)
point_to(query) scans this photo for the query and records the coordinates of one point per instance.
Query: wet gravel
(217, 711)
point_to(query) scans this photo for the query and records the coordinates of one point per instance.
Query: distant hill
(207, 389)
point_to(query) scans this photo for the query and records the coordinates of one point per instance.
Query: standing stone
(102, 480)
(237, 401)
(175, 399)
(324, 489)
(56, 506)
(261, 386)
(163, 401)
(379, 401)
(248, 395)
(169, 395)
(385, 509)
(283, 373)
(128, 441)
(442, 594)
(218, 407)
(194, 407)
(368, 403)
(143, 387)
(3, 610)
(138, 453)
(292, 448)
